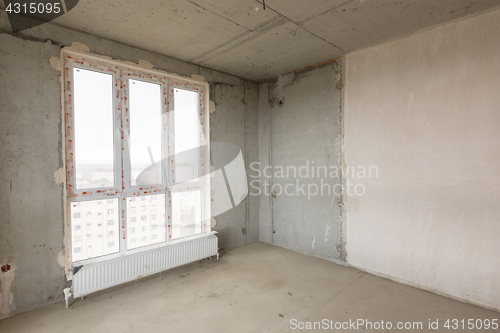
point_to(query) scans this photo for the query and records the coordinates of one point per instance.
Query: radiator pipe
(67, 295)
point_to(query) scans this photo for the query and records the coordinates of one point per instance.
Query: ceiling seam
(218, 47)
(196, 61)
(225, 18)
(320, 37)
(299, 24)
(263, 27)
(325, 12)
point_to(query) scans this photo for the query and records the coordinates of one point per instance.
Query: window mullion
(166, 136)
(122, 129)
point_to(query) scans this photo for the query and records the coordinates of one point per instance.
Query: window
(149, 152)
(187, 133)
(146, 223)
(94, 226)
(186, 214)
(93, 112)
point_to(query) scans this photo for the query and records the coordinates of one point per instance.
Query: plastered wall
(303, 133)
(31, 223)
(426, 111)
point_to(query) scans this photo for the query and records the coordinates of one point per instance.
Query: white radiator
(98, 276)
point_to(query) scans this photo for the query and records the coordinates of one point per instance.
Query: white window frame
(123, 188)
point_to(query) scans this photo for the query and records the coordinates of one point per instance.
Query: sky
(93, 114)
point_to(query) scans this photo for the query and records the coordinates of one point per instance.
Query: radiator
(98, 276)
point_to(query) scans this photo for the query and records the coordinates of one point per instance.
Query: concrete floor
(255, 288)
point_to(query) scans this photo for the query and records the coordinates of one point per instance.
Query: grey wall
(425, 111)
(31, 223)
(306, 129)
(235, 120)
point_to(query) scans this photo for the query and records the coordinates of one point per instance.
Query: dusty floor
(255, 288)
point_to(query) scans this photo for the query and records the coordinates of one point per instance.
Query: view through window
(135, 146)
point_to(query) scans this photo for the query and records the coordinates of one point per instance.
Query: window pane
(146, 220)
(187, 135)
(186, 214)
(93, 128)
(145, 132)
(93, 234)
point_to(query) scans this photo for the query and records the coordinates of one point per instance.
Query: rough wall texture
(235, 120)
(425, 110)
(31, 223)
(31, 227)
(299, 208)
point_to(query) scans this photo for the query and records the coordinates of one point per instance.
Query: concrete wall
(425, 110)
(303, 134)
(31, 223)
(235, 120)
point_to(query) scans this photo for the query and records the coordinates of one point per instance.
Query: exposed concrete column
(265, 201)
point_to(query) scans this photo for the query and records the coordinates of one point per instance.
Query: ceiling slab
(268, 55)
(246, 13)
(241, 38)
(179, 29)
(359, 24)
(300, 11)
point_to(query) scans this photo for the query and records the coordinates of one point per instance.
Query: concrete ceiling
(240, 38)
